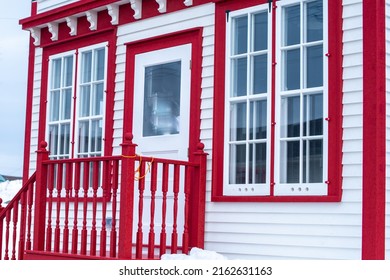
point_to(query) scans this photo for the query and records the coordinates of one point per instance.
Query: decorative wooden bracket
(113, 11)
(36, 34)
(92, 19)
(136, 5)
(188, 2)
(162, 5)
(53, 29)
(72, 24)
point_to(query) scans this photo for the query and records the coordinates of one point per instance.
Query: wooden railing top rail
(17, 197)
(118, 158)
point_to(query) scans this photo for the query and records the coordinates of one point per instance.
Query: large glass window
(90, 113)
(81, 125)
(60, 95)
(294, 107)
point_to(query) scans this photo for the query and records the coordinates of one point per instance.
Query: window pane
(66, 104)
(292, 25)
(100, 59)
(258, 120)
(56, 74)
(257, 163)
(260, 77)
(64, 139)
(83, 136)
(237, 165)
(289, 162)
(292, 69)
(96, 136)
(85, 96)
(53, 139)
(314, 66)
(313, 161)
(98, 100)
(54, 105)
(313, 115)
(162, 99)
(290, 114)
(238, 122)
(260, 31)
(314, 20)
(240, 35)
(86, 67)
(68, 71)
(239, 77)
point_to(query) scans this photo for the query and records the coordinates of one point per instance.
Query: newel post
(127, 198)
(40, 198)
(198, 198)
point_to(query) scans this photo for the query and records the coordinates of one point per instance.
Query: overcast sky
(13, 83)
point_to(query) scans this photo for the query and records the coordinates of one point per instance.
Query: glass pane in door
(162, 99)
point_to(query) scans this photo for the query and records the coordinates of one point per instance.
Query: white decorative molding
(162, 5)
(53, 29)
(136, 5)
(92, 19)
(113, 11)
(36, 34)
(72, 24)
(188, 2)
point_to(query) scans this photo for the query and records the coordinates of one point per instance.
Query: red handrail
(16, 221)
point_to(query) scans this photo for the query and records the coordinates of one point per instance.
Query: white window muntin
(59, 116)
(299, 188)
(90, 108)
(250, 97)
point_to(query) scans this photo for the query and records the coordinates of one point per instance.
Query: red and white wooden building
(255, 128)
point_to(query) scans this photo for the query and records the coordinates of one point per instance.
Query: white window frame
(90, 118)
(286, 189)
(300, 189)
(74, 114)
(49, 99)
(256, 188)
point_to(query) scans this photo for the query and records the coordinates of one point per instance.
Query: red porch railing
(16, 222)
(126, 207)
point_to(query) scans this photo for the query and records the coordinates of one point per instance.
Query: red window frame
(334, 103)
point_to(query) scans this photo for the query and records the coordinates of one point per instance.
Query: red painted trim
(74, 44)
(63, 12)
(374, 130)
(29, 103)
(73, 141)
(273, 102)
(192, 36)
(149, 9)
(334, 111)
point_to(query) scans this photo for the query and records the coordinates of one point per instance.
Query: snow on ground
(195, 254)
(8, 189)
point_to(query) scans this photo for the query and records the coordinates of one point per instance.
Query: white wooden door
(162, 85)
(162, 102)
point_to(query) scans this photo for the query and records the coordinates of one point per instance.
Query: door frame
(190, 36)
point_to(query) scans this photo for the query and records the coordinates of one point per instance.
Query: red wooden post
(197, 199)
(40, 198)
(127, 198)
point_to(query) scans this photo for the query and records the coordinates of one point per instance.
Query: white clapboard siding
(304, 230)
(35, 109)
(387, 129)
